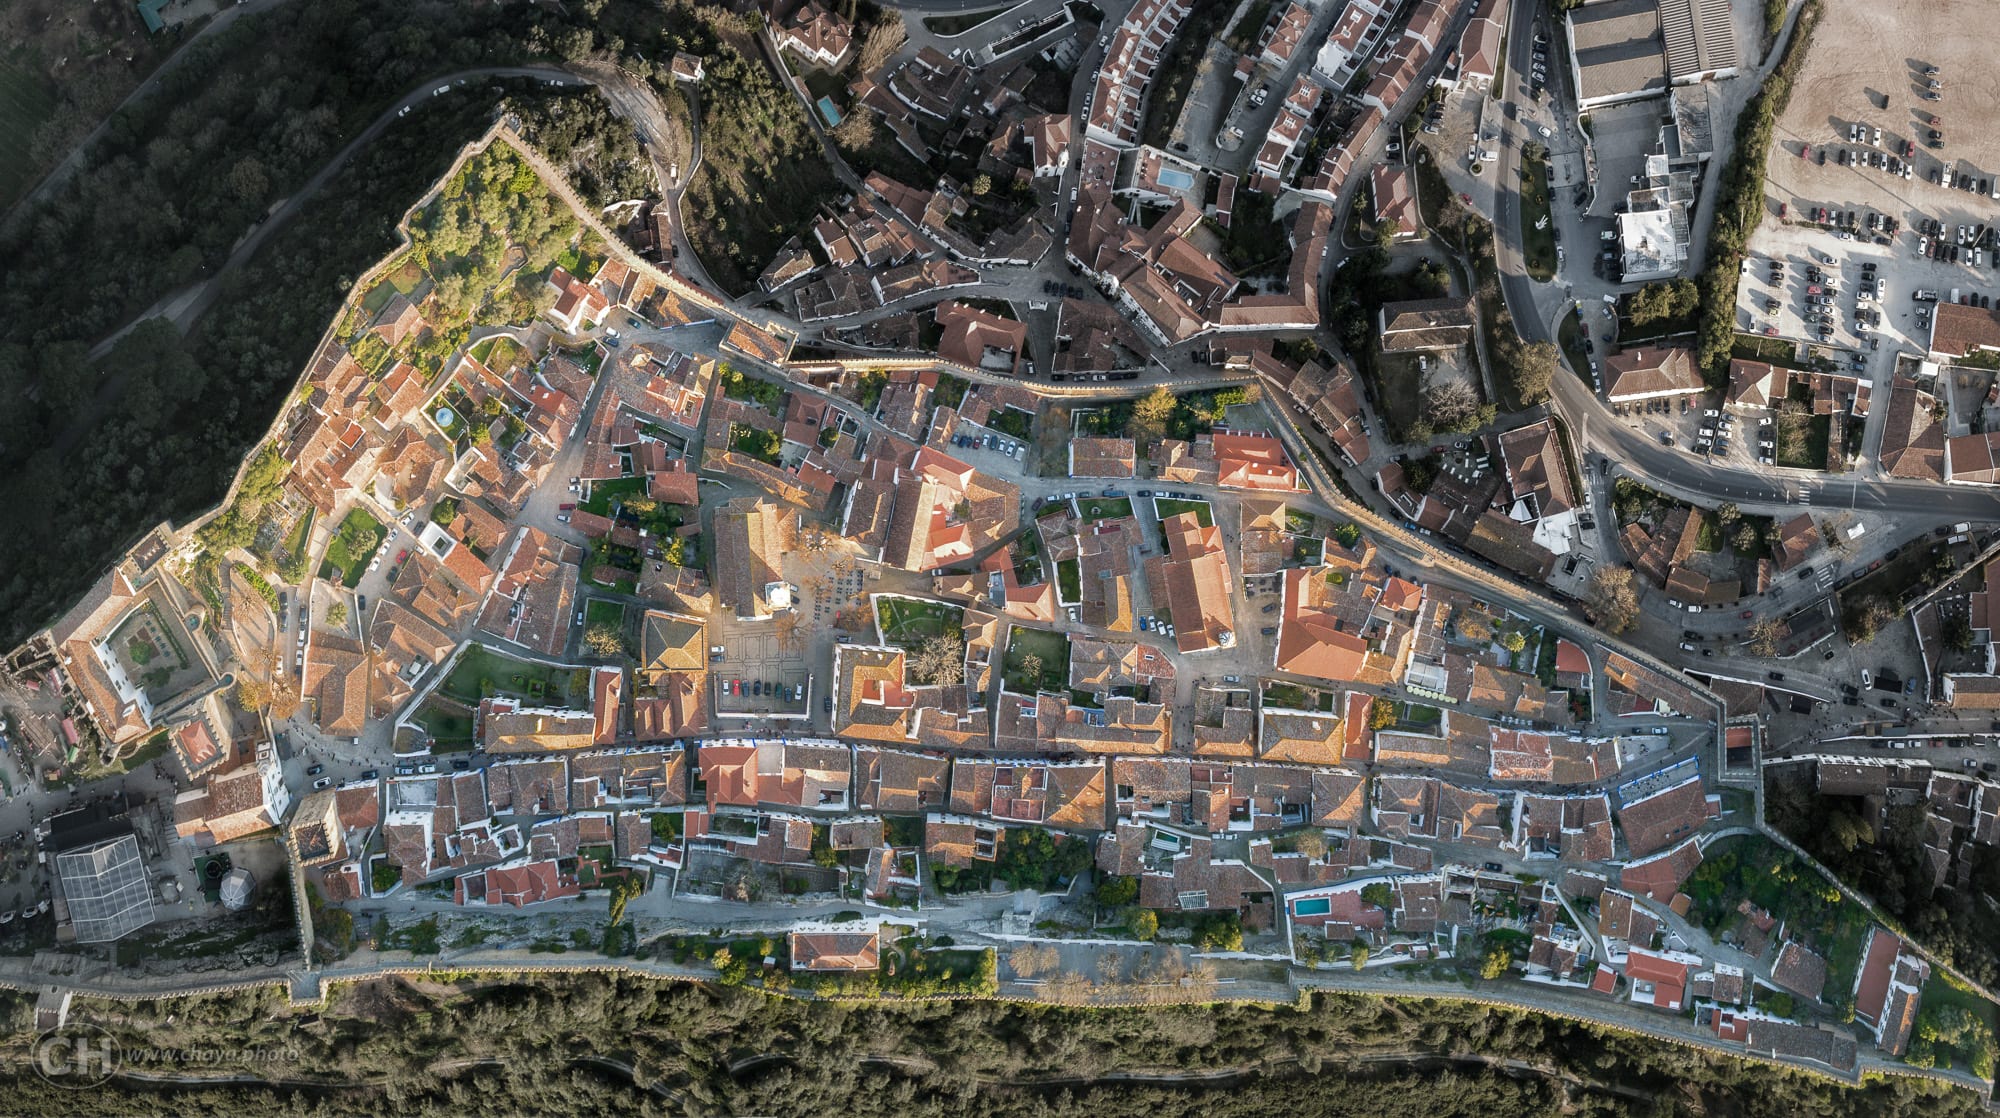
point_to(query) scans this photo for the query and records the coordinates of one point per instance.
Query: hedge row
(1740, 204)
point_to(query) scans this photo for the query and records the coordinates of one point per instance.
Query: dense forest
(1962, 926)
(594, 1045)
(596, 151)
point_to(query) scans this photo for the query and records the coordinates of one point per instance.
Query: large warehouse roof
(1618, 50)
(1627, 49)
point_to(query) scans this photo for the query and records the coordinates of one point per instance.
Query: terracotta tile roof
(896, 781)
(1537, 468)
(1661, 875)
(1958, 330)
(337, 681)
(959, 840)
(835, 951)
(1663, 818)
(978, 339)
(1194, 576)
(1796, 538)
(1668, 973)
(1253, 461)
(1649, 371)
(748, 535)
(1912, 436)
(1756, 384)
(1973, 459)
(1422, 324)
(1799, 970)
(1101, 457)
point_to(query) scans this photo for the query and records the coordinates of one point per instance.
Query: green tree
(730, 970)
(1144, 924)
(1531, 368)
(1382, 713)
(939, 661)
(444, 511)
(1031, 668)
(604, 640)
(1764, 634)
(1117, 892)
(336, 614)
(1496, 962)
(1150, 416)
(1358, 954)
(1613, 599)
(1513, 641)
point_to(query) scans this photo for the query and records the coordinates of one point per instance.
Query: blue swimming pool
(827, 110)
(1312, 906)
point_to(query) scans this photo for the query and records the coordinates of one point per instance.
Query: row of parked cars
(757, 688)
(990, 442)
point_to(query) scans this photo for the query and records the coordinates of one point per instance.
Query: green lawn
(1290, 696)
(755, 442)
(1942, 991)
(908, 622)
(602, 493)
(499, 353)
(1538, 235)
(600, 612)
(1819, 431)
(1105, 508)
(1773, 351)
(482, 672)
(1009, 421)
(1167, 507)
(295, 541)
(347, 556)
(1755, 869)
(1069, 580)
(1052, 647)
(1400, 388)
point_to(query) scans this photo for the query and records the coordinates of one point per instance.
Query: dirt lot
(1867, 65)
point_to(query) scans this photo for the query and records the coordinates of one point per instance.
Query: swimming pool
(827, 110)
(1312, 906)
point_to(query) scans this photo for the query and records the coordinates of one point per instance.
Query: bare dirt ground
(1867, 65)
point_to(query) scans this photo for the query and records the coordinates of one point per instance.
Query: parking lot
(1865, 134)
(1869, 65)
(1897, 323)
